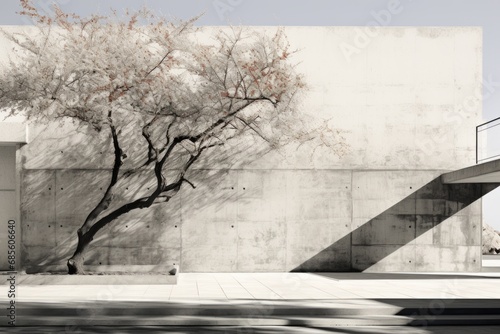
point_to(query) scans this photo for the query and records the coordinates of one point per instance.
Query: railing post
(477, 150)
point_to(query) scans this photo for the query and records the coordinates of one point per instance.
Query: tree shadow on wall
(382, 236)
(56, 201)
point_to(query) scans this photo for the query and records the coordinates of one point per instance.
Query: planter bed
(93, 279)
(97, 275)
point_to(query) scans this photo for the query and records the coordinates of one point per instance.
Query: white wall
(407, 101)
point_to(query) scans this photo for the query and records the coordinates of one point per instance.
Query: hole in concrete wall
(409, 261)
(61, 225)
(126, 225)
(49, 226)
(232, 226)
(100, 263)
(411, 188)
(50, 188)
(147, 226)
(62, 188)
(244, 188)
(232, 188)
(175, 226)
(409, 226)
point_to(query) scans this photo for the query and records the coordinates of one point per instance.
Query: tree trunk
(75, 263)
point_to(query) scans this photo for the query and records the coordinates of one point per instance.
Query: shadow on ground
(419, 316)
(398, 276)
(261, 330)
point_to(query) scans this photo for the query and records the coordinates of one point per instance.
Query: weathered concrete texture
(397, 109)
(421, 231)
(7, 167)
(209, 226)
(7, 212)
(38, 217)
(458, 258)
(264, 220)
(334, 258)
(384, 258)
(389, 219)
(241, 220)
(407, 116)
(261, 246)
(319, 210)
(55, 204)
(418, 218)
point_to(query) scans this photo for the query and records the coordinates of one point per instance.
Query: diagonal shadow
(336, 276)
(399, 225)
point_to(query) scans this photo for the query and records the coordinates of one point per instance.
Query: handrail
(488, 122)
(477, 138)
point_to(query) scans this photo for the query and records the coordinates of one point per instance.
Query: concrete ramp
(488, 172)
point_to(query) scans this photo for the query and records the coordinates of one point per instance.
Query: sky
(482, 13)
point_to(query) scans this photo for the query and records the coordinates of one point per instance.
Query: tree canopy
(182, 92)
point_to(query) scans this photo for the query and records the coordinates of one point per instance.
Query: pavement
(276, 286)
(266, 303)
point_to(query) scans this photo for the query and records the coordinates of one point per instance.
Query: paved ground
(280, 290)
(274, 286)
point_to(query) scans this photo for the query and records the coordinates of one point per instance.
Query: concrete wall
(8, 199)
(334, 220)
(55, 204)
(407, 102)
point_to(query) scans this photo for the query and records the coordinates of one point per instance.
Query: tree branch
(250, 126)
(158, 195)
(108, 195)
(159, 63)
(189, 182)
(152, 151)
(145, 202)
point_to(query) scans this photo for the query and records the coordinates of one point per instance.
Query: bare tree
(184, 97)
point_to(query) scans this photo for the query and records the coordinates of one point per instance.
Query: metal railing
(490, 140)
